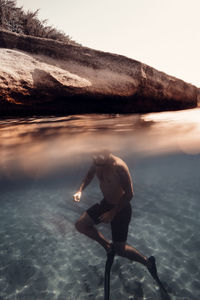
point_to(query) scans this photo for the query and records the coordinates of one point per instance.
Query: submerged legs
(85, 225)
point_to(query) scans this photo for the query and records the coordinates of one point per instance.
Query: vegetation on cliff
(14, 19)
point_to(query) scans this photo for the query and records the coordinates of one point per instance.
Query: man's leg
(85, 225)
(124, 250)
(119, 227)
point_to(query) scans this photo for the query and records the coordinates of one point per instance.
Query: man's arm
(87, 179)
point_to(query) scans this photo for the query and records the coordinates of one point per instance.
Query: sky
(164, 34)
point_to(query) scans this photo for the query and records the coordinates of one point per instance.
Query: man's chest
(108, 176)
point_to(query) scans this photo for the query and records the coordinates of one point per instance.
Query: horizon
(163, 35)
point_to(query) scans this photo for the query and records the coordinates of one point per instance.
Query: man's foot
(151, 266)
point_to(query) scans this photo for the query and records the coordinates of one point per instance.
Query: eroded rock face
(22, 74)
(55, 78)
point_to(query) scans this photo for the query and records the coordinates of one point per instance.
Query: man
(116, 186)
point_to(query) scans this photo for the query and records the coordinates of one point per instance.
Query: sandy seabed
(43, 257)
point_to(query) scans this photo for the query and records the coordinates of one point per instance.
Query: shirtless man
(116, 186)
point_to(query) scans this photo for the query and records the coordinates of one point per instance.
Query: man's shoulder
(120, 164)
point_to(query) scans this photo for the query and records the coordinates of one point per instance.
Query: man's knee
(84, 223)
(79, 226)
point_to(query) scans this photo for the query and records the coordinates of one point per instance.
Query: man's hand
(77, 196)
(107, 217)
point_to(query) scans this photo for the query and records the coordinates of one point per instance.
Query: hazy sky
(164, 34)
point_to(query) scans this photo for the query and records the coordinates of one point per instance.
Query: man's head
(101, 157)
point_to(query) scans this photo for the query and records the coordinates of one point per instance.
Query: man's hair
(102, 151)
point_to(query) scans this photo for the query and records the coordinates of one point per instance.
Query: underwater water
(42, 163)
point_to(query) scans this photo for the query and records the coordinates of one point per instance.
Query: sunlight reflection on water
(38, 145)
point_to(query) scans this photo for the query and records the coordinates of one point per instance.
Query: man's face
(100, 159)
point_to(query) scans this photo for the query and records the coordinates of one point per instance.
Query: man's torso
(109, 179)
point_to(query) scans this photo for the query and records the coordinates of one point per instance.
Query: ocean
(42, 163)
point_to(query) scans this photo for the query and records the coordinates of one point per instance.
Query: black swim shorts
(120, 223)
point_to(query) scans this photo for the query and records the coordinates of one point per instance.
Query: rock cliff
(41, 76)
